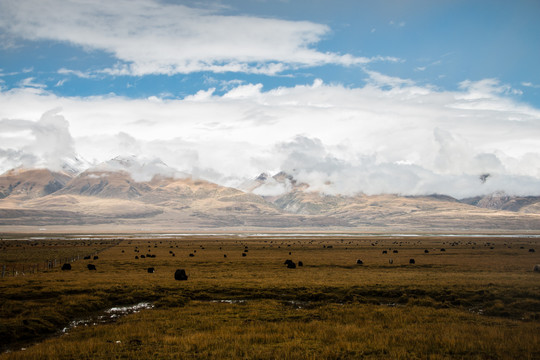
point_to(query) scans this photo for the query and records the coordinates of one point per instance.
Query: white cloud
(391, 135)
(244, 92)
(530, 84)
(398, 24)
(152, 37)
(78, 73)
(201, 95)
(30, 82)
(44, 143)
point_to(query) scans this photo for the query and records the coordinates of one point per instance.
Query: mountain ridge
(110, 195)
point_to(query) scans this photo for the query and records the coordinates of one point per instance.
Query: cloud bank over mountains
(389, 136)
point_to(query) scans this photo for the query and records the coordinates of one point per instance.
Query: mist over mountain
(320, 168)
(371, 153)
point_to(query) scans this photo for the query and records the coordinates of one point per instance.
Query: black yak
(91, 267)
(66, 266)
(180, 274)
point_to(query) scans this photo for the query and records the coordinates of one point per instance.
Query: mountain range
(124, 194)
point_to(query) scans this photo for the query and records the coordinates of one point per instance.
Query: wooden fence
(17, 269)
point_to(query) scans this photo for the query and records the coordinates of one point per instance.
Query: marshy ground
(478, 299)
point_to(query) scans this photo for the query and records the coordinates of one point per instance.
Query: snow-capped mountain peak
(140, 168)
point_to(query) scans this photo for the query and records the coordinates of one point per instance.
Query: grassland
(477, 299)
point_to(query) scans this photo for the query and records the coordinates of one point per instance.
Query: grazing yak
(385, 252)
(243, 254)
(426, 251)
(411, 261)
(66, 266)
(151, 270)
(536, 268)
(136, 257)
(96, 257)
(531, 250)
(180, 274)
(86, 258)
(91, 267)
(290, 264)
(300, 263)
(359, 262)
(191, 255)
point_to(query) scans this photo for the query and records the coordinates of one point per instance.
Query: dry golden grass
(478, 299)
(270, 329)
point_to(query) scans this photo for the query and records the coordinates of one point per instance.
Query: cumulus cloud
(309, 161)
(153, 37)
(391, 135)
(43, 143)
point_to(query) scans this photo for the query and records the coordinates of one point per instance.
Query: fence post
(3, 271)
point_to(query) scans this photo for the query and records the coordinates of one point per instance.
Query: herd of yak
(180, 274)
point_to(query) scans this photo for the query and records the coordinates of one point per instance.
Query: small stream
(103, 317)
(108, 316)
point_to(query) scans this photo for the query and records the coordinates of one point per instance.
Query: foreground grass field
(479, 298)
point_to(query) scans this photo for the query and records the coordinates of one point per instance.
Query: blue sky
(435, 91)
